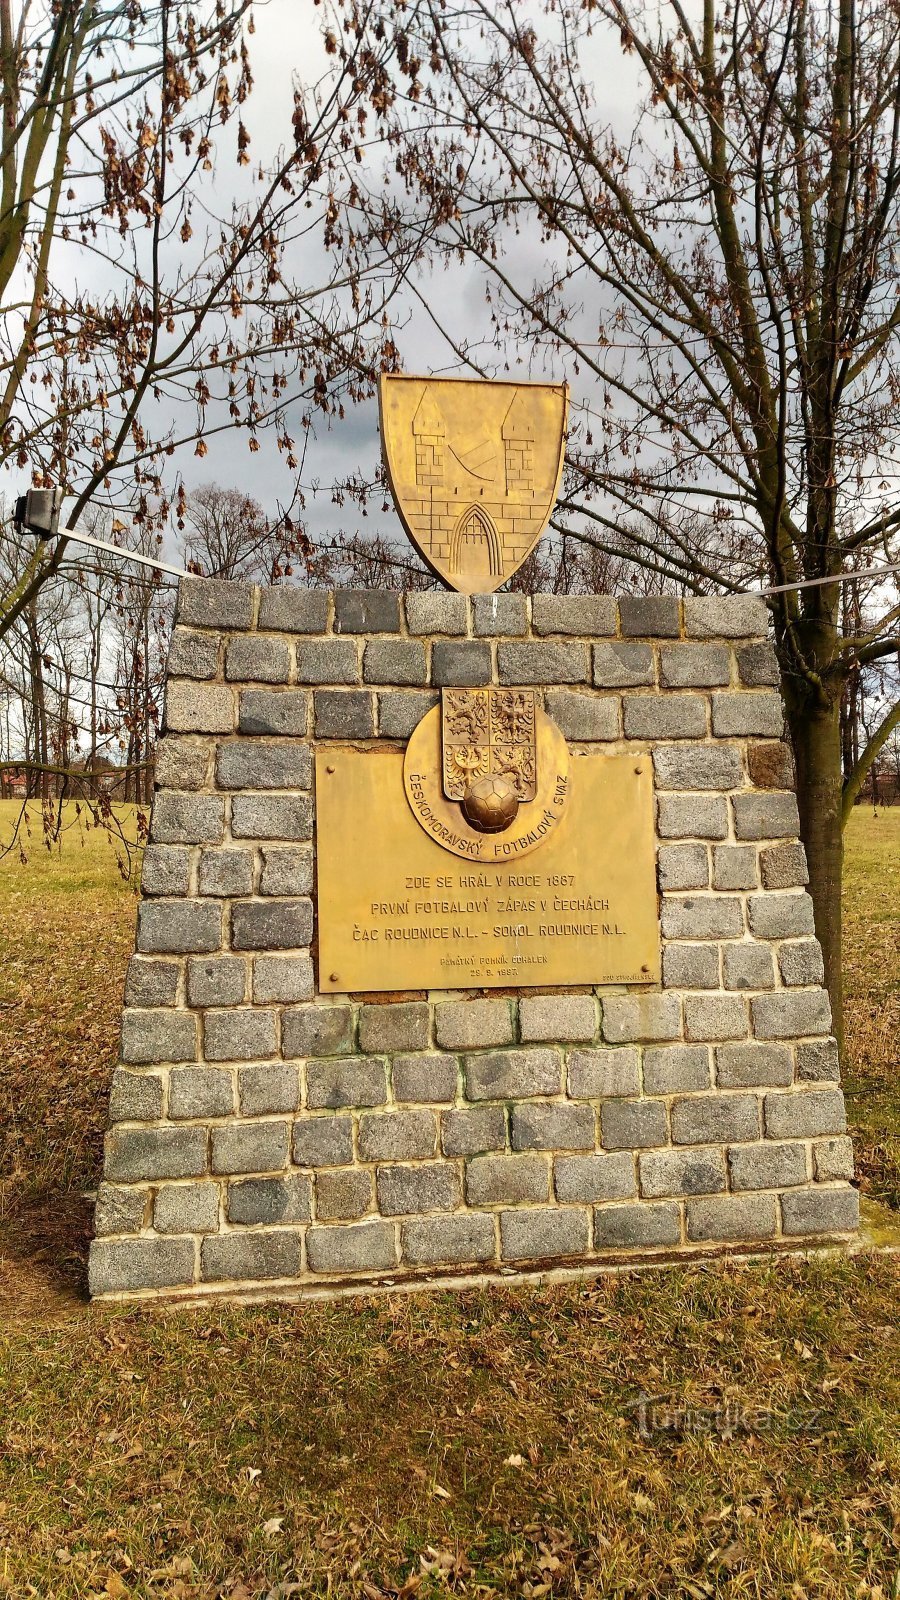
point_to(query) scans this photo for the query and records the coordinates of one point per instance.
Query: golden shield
(489, 733)
(474, 469)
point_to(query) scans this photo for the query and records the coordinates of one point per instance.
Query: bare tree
(720, 285)
(228, 535)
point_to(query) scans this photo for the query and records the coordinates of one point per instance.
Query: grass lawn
(469, 1444)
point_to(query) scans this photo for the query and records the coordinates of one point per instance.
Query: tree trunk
(816, 738)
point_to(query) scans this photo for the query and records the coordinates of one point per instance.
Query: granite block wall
(266, 1138)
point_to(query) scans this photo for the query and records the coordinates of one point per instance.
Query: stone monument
(474, 939)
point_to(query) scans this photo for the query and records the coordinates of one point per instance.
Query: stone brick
(623, 666)
(692, 816)
(767, 1165)
(215, 603)
(120, 1210)
(323, 1141)
(495, 614)
(698, 766)
(538, 1235)
(261, 1200)
(158, 1036)
(318, 1031)
(226, 872)
(671, 1068)
(543, 663)
(166, 869)
(425, 1078)
(633, 1124)
(151, 983)
(247, 1257)
(343, 1195)
(200, 1092)
(630, 1018)
(748, 966)
(399, 714)
(783, 866)
(361, 1247)
(397, 1136)
(264, 711)
(182, 763)
(400, 661)
(738, 616)
(141, 1155)
(665, 716)
(186, 1208)
(680, 1172)
(557, 1018)
(344, 714)
(198, 708)
(753, 1066)
(471, 1133)
(552, 1127)
(258, 659)
(833, 1159)
(771, 765)
(504, 1180)
(286, 871)
(135, 1097)
(283, 980)
(240, 1035)
(638, 1226)
(187, 818)
(690, 966)
(801, 963)
(126, 1265)
(805, 1114)
(694, 666)
(758, 666)
(747, 714)
(264, 764)
(427, 1186)
(192, 655)
(471, 1024)
(683, 866)
(460, 664)
(327, 661)
(271, 924)
(216, 981)
(603, 1074)
(715, 1119)
(366, 611)
(272, 1086)
(655, 616)
(333, 1084)
(734, 1216)
(818, 1061)
(512, 1074)
(735, 867)
(428, 1241)
(765, 816)
(587, 1179)
(584, 717)
(820, 1211)
(587, 615)
(294, 610)
(249, 1147)
(790, 1015)
(430, 613)
(388, 1028)
(715, 1016)
(702, 917)
(271, 816)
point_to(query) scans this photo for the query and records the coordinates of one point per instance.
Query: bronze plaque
(398, 911)
(474, 469)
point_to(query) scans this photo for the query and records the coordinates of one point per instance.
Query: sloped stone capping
(265, 1137)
